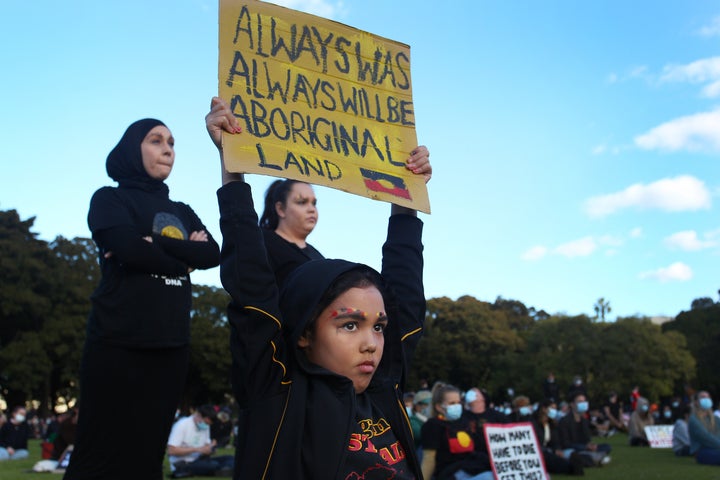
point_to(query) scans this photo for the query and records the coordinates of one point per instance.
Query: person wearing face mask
(640, 419)
(14, 436)
(666, 416)
(190, 449)
(574, 434)
(478, 414)
(544, 421)
(704, 429)
(418, 416)
(522, 410)
(449, 449)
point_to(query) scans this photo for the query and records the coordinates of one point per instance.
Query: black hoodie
(298, 418)
(144, 298)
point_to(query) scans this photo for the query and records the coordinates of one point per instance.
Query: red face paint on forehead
(353, 312)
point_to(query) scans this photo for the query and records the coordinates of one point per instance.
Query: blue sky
(575, 144)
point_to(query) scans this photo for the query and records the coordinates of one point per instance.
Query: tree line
(44, 302)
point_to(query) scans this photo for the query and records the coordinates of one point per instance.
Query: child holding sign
(318, 367)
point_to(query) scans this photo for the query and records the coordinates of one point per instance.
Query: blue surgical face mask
(582, 407)
(408, 410)
(507, 411)
(644, 408)
(525, 411)
(667, 414)
(705, 403)
(453, 412)
(552, 413)
(202, 425)
(19, 418)
(675, 404)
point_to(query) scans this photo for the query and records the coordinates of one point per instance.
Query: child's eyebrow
(355, 313)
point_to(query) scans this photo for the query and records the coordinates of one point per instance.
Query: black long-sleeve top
(144, 297)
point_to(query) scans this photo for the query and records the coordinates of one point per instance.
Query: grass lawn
(22, 469)
(627, 463)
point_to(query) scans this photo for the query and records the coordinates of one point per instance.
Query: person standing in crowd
(551, 391)
(640, 419)
(634, 396)
(319, 368)
(576, 388)
(290, 215)
(137, 347)
(448, 440)
(704, 429)
(14, 436)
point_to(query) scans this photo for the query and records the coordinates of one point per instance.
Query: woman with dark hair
(290, 215)
(137, 347)
(319, 366)
(704, 430)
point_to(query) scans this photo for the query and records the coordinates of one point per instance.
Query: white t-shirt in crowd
(186, 434)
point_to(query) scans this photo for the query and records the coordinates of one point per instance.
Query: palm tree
(602, 307)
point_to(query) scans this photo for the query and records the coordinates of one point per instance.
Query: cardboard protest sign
(515, 452)
(318, 101)
(659, 436)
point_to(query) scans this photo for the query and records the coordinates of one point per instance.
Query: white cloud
(688, 240)
(699, 71)
(610, 241)
(639, 71)
(599, 149)
(695, 133)
(706, 70)
(577, 248)
(712, 90)
(321, 8)
(636, 232)
(677, 194)
(678, 271)
(535, 253)
(712, 30)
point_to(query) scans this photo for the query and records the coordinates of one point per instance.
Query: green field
(627, 463)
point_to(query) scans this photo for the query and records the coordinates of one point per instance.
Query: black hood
(124, 163)
(304, 288)
(302, 292)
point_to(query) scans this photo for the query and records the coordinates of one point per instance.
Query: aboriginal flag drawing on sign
(386, 183)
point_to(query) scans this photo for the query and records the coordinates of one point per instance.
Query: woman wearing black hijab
(136, 352)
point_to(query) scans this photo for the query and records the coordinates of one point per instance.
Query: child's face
(348, 338)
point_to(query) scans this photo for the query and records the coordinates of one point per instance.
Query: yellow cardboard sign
(318, 101)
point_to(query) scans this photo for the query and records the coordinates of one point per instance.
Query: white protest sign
(659, 436)
(515, 452)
